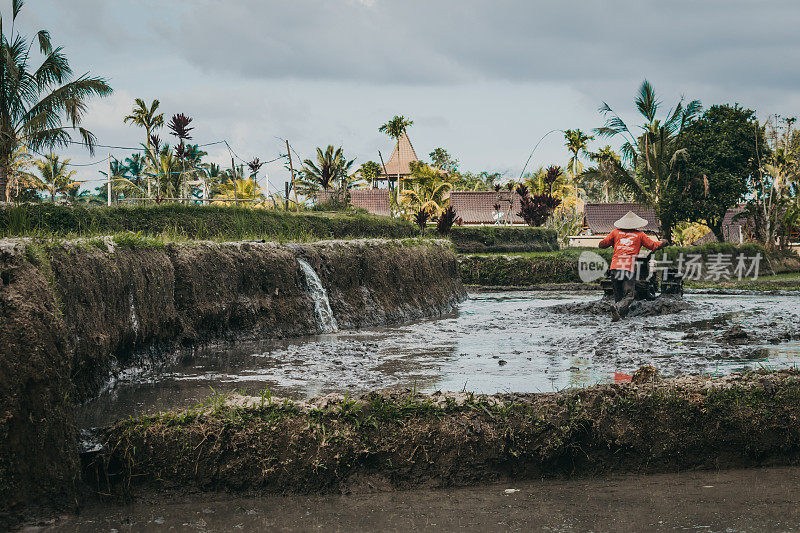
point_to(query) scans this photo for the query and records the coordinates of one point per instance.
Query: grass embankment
(189, 222)
(523, 270)
(407, 440)
(778, 282)
(545, 268)
(503, 239)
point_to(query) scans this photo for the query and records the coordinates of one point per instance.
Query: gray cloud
(483, 78)
(446, 41)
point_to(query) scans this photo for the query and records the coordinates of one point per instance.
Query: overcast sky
(483, 79)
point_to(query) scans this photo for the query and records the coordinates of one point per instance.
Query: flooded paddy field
(496, 342)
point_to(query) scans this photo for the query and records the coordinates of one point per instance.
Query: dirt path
(733, 500)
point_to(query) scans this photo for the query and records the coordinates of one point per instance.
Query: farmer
(627, 239)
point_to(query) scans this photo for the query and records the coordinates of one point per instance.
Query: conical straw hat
(631, 221)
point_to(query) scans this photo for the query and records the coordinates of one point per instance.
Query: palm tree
(331, 168)
(239, 188)
(136, 165)
(395, 129)
(427, 192)
(577, 143)
(179, 127)
(604, 160)
(35, 101)
(20, 179)
(55, 177)
(648, 167)
(149, 119)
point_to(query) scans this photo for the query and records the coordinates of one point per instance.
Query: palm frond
(646, 102)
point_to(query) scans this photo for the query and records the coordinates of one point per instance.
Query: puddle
(497, 342)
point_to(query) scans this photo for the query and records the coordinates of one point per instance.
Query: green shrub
(194, 222)
(503, 239)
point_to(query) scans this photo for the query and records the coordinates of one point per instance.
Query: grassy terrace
(447, 439)
(189, 222)
(561, 267)
(779, 282)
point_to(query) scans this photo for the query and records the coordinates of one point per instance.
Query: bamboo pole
(291, 169)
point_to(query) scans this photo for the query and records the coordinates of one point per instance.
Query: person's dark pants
(624, 290)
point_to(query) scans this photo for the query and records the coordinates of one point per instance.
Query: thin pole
(291, 169)
(233, 178)
(286, 197)
(109, 180)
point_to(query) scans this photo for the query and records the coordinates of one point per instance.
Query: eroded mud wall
(71, 313)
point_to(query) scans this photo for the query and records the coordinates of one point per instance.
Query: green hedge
(195, 222)
(504, 239)
(523, 270)
(520, 270)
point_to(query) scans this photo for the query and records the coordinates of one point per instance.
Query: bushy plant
(446, 219)
(536, 209)
(421, 217)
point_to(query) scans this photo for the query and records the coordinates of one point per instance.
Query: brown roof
(600, 217)
(375, 201)
(407, 155)
(477, 207)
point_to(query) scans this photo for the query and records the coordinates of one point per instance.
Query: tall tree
(55, 176)
(331, 168)
(395, 129)
(442, 160)
(39, 105)
(369, 172)
(179, 127)
(150, 119)
(649, 167)
(723, 157)
(577, 144)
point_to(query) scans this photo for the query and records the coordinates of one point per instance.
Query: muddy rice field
(496, 342)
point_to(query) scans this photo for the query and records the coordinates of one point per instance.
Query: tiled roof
(375, 201)
(477, 207)
(407, 155)
(600, 217)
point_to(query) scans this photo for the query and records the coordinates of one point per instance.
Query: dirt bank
(73, 313)
(400, 440)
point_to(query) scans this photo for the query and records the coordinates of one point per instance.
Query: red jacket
(627, 244)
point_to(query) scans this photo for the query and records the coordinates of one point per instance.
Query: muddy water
(726, 501)
(497, 342)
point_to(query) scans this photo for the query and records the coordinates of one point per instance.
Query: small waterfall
(326, 323)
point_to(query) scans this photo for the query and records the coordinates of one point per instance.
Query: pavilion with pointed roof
(400, 162)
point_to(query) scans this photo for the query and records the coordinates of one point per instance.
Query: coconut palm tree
(55, 177)
(395, 129)
(239, 188)
(149, 119)
(136, 164)
(426, 190)
(20, 180)
(35, 101)
(330, 170)
(577, 144)
(648, 168)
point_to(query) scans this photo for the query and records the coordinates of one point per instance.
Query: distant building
(487, 207)
(400, 161)
(375, 201)
(599, 218)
